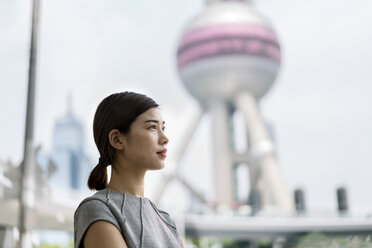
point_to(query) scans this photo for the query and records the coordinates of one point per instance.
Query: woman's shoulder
(97, 197)
(97, 201)
(90, 210)
(97, 207)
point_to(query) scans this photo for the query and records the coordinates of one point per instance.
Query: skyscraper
(67, 153)
(68, 167)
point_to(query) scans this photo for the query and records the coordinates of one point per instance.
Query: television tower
(228, 58)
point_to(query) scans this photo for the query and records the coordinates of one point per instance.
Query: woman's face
(146, 144)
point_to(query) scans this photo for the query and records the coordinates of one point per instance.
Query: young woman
(129, 133)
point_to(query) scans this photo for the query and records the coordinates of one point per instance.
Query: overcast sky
(320, 105)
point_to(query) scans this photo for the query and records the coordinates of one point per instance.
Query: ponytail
(98, 177)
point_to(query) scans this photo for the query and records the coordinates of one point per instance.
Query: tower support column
(268, 179)
(223, 178)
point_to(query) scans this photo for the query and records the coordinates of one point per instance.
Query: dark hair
(117, 111)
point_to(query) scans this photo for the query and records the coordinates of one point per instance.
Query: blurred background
(317, 112)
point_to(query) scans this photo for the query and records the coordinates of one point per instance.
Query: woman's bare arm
(105, 235)
(182, 246)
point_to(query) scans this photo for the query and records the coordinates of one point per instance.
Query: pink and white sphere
(226, 49)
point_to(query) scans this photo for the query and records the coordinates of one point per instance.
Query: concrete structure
(228, 58)
(245, 228)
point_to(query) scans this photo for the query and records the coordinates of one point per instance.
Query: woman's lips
(163, 153)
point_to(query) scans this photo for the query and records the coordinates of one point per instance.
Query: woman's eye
(153, 127)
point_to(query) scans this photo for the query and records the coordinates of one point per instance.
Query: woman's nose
(164, 139)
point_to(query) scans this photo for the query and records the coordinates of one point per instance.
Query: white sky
(319, 106)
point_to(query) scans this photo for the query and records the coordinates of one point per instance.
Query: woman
(129, 133)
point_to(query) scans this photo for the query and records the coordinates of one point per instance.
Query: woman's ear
(116, 139)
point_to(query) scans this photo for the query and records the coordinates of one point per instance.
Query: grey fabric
(138, 219)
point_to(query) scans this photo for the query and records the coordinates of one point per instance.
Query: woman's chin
(157, 166)
(161, 166)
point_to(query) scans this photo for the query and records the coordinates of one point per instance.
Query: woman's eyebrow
(156, 121)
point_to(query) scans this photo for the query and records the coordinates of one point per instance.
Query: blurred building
(72, 166)
(60, 181)
(68, 168)
(10, 181)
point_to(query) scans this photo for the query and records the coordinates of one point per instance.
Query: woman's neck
(129, 182)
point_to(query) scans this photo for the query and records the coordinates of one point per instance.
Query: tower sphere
(226, 49)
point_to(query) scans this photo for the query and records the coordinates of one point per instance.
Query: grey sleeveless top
(138, 219)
